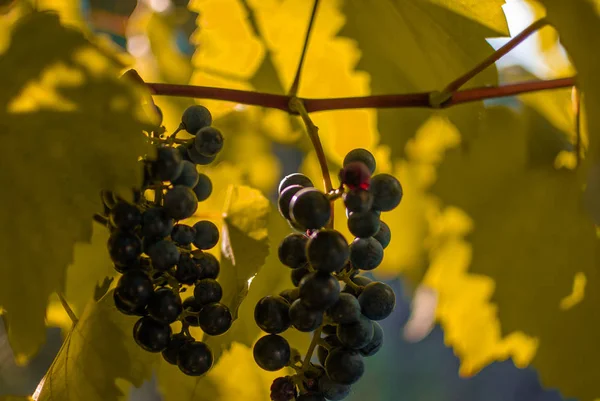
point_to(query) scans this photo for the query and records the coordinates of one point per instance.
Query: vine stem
(296, 84)
(311, 348)
(67, 308)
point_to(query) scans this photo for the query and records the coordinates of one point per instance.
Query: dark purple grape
(292, 250)
(363, 224)
(285, 198)
(189, 175)
(377, 300)
(125, 216)
(156, 223)
(180, 202)
(355, 175)
(271, 314)
(310, 209)
(283, 389)
(327, 251)
(195, 117)
(183, 235)
(215, 319)
(194, 358)
(358, 200)
(164, 255)
(134, 289)
(151, 335)
(376, 342)
(345, 310)
(272, 352)
(124, 248)
(187, 271)
(208, 141)
(319, 290)
(168, 164)
(294, 179)
(344, 366)
(303, 318)
(363, 156)
(384, 235)
(207, 234)
(298, 274)
(165, 306)
(207, 263)
(387, 192)
(290, 295)
(203, 188)
(177, 341)
(366, 253)
(356, 335)
(207, 291)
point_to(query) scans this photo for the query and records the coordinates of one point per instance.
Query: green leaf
(99, 350)
(423, 45)
(533, 236)
(69, 129)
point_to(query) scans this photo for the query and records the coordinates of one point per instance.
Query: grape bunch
(160, 258)
(343, 320)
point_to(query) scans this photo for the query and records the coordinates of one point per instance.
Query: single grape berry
(290, 295)
(311, 377)
(360, 281)
(169, 354)
(183, 151)
(194, 358)
(203, 188)
(344, 366)
(310, 209)
(272, 352)
(387, 192)
(333, 342)
(215, 319)
(363, 156)
(271, 314)
(165, 306)
(303, 318)
(283, 389)
(208, 141)
(363, 224)
(128, 309)
(376, 342)
(191, 305)
(134, 289)
(207, 234)
(345, 310)
(168, 164)
(298, 274)
(292, 250)
(207, 263)
(125, 216)
(207, 291)
(366, 253)
(285, 198)
(294, 179)
(319, 290)
(197, 158)
(151, 335)
(358, 200)
(187, 271)
(195, 118)
(377, 300)
(156, 223)
(183, 235)
(384, 235)
(189, 175)
(164, 254)
(355, 175)
(328, 251)
(357, 334)
(331, 390)
(180, 202)
(124, 248)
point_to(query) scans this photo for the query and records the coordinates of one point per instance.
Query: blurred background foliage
(243, 44)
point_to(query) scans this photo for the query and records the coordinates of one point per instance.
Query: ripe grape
(203, 188)
(207, 263)
(168, 164)
(272, 352)
(180, 202)
(363, 156)
(358, 280)
(290, 295)
(303, 318)
(328, 251)
(298, 274)
(272, 314)
(183, 235)
(344, 366)
(125, 216)
(126, 308)
(207, 291)
(194, 358)
(356, 335)
(134, 289)
(183, 151)
(177, 341)
(164, 254)
(187, 271)
(377, 300)
(333, 342)
(285, 198)
(156, 223)
(331, 390)
(366, 253)
(283, 389)
(189, 175)
(165, 306)
(310, 209)
(355, 175)
(208, 141)
(319, 290)
(197, 158)
(345, 310)
(195, 118)
(358, 200)
(376, 342)
(387, 192)
(124, 248)
(294, 179)
(215, 319)
(363, 224)
(207, 234)
(384, 235)
(292, 250)
(151, 335)
(191, 305)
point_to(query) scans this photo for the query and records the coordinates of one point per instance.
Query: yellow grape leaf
(533, 237)
(423, 45)
(70, 125)
(99, 350)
